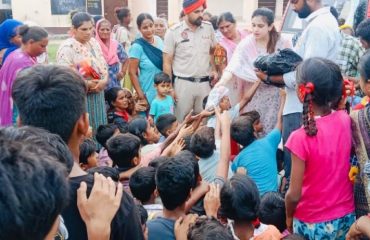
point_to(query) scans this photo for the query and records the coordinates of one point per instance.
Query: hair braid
(309, 122)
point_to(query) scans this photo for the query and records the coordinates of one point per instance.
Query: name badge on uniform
(185, 37)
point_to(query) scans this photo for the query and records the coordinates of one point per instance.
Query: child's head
(272, 210)
(256, 118)
(206, 228)
(320, 84)
(242, 130)
(363, 32)
(88, 154)
(124, 150)
(142, 184)
(219, 97)
(162, 83)
(104, 132)
(202, 142)
(158, 161)
(189, 156)
(364, 69)
(118, 98)
(141, 128)
(174, 180)
(106, 171)
(240, 199)
(167, 124)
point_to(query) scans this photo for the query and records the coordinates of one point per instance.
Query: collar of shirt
(185, 26)
(321, 11)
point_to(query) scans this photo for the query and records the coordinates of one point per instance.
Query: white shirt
(321, 38)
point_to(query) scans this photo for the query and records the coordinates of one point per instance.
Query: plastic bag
(283, 61)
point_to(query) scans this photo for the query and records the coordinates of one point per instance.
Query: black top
(125, 225)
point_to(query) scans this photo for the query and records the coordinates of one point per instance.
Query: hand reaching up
(182, 226)
(212, 201)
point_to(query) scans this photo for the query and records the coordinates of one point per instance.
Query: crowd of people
(171, 132)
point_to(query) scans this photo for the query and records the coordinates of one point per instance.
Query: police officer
(188, 55)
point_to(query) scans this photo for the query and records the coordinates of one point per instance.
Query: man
(54, 98)
(320, 38)
(188, 54)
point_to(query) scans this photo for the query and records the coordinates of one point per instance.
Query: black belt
(194, 79)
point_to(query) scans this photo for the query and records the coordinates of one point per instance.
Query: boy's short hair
(106, 171)
(164, 122)
(240, 199)
(254, 115)
(41, 192)
(364, 67)
(104, 132)
(122, 149)
(161, 78)
(242, 130)
(142, 184)
(87, 148)
(203, 143)
(50, 96)
(206, 228)
(174, 180)
(186, 154)
(52, 143)
(363, 30)
(272, 210)
(158, 161)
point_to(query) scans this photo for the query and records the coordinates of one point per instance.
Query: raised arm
(279, 123)
(223, 164)
(247, 97)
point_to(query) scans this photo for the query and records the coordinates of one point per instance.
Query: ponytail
(309, 122)
(274, 38)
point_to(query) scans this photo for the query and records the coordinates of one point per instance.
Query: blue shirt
(259, 159)
(147, 68)
(161, 106)
(161, 229)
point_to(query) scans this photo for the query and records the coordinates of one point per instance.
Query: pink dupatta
(109, 50)
(230, 45)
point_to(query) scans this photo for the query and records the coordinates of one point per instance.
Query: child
(240, 202)
(256, 119)
(320, 196)
(166, 124)
(258, 156)
(360, 128)
(174, 180)
(163, 102)
(119, 101)
(124, 150)
(142, 186)
(272, 210)
(88, 155)
(208, 228)
(103, 133)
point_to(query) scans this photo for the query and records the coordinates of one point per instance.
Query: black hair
(364, 67)
(157, 161)
(106, 171)
(111, 95)
(122, 13)
(209, 228)
(44, 93)
(240, 199)
(327, 79)
(269, 16)
(182, 14)
(204, 103)
(294, 236)
(226, 17)
(32, 33)
(363, 30)
(272, 210)
(122, 149)
(33, 190)
(188, 155)
(138, 127)
(87, 148)
(142, 184)
(162, 77)
(96, 18)
(174, 180)
(143, 214)
(213, 21)
(79, 18)
(254, 115)
(104, 132)
(43, 139)
(203, 142)
(164, 122)
(242, 130)
(187, 141)
(142, 16)
(334, 12)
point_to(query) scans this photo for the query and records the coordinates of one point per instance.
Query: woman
(84, 53)
(124, 34)
(114, 53)
(34, 42)
(9, 39)
(160, 27)
(239, 75)
(145, 59)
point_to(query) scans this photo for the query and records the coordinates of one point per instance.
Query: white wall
(142, 6)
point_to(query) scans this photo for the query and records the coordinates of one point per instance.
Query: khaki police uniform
(191, 64)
